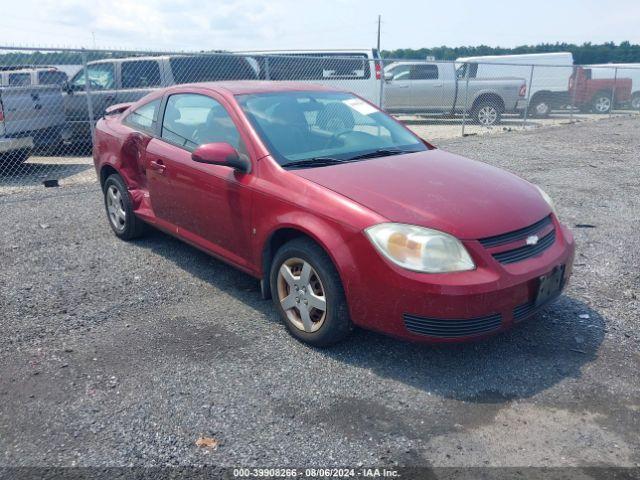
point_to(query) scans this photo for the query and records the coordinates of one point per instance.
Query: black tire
(487, 112)
(635, 101)
(131, 226)
(336, 325)
(540, 107)
(601, 103)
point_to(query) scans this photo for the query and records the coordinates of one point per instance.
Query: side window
(51, 78)
(145, 117)
(19, 79)
(210, 68)
(140, 74)
(401, 72)
(101, 77)
(191, 120)
(424, 72)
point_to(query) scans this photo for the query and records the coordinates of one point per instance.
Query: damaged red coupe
(345, 216)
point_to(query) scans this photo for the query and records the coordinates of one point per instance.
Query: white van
(625, 70)
(550, 83)
(355, 70)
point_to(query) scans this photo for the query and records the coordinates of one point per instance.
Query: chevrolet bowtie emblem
(532, 240)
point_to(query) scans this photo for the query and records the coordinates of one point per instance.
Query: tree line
(587, 53)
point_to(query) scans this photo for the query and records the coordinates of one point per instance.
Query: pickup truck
(431, 87)
(30, 117)
(597, 94)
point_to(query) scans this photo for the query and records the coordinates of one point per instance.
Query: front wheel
(119, 206)
(487, 114)
(307, 291)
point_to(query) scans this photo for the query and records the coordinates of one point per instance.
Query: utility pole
(379, 22)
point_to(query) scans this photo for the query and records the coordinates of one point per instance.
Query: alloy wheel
(487, 115)
(302, 295)
(602, 104)
(542, 109)
(635, 102)
(115, 208)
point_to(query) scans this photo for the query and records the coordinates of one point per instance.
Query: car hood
(436, 189)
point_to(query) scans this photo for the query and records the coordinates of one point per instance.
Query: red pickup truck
(598, 95)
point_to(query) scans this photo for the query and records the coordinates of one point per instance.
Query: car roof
(244, 87)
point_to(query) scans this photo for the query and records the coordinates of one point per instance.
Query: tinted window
(140, 74)
(191, 120)
(308, 125)
(461, 72)
(315, 67)
(19, 79)
(424, 72)
(144, 117)
(211, 68)
(52, 78)
(101, 77)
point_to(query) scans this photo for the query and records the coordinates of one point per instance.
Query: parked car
(625, 70)
(129, 79)
(25, 76)
(356, 70)
(598, 95)
(429, 87)
(345, 216)
(30, 116)
(548, 85)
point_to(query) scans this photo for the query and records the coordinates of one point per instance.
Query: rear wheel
(119, 207)
(601, 102)
(307, 291)
(540, 107)
(487, 113)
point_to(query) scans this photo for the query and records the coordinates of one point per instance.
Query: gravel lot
(119, 353)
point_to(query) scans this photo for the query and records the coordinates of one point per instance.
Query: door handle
(158, 166)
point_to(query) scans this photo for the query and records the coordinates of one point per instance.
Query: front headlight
(547, 199)
(420, 249)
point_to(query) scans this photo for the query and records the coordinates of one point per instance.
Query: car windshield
(307, 128)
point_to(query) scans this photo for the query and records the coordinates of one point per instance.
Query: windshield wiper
(381, 152)
(313, 162)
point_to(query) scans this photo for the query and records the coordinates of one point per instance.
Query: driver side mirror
(221, 153)
(66, 87)
(388, 76)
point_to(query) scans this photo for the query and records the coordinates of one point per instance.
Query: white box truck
(548, 88)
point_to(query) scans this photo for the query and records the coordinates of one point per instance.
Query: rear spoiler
(117, 108)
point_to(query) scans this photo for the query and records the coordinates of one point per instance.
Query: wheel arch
(105, 171)
(490, 96)
(287, 232)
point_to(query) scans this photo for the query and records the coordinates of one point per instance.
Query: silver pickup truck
(30, 116)
(432, 87)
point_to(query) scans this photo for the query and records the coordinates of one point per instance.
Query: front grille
(527, 251)
(452, 328)
(516, 234)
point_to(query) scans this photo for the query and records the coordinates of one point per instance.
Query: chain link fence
(50, 99)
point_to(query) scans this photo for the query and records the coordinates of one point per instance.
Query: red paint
(582, 88)
(232, 215)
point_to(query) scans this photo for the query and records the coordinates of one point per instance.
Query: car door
(397, 89)
(102, 88)
(209, 205)
(427, 86)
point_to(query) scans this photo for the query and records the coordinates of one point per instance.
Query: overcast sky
(290, 24)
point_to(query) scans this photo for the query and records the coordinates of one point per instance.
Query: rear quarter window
(210, 68)
(19, 79)
(145, 117)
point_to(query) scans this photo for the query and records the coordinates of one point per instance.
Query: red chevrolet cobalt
(345, 216)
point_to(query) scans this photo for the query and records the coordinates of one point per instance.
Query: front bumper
(453, 307)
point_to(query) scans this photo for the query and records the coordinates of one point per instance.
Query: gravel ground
(119, 353)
